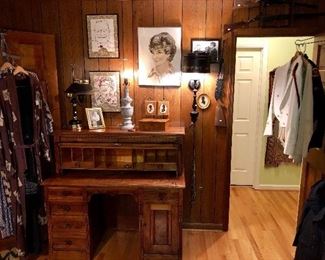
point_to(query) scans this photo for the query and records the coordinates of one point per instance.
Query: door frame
(262, 47)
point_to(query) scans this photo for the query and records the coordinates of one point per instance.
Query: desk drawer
(65, 194)
(69, 243)
(60, 208)
(69, 227)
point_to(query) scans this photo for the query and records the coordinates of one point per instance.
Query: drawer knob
(68, 242)
(67, 225)
(66, 208)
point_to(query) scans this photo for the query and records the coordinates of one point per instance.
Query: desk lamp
(76, 91)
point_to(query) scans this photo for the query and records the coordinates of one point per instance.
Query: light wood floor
(262, 226)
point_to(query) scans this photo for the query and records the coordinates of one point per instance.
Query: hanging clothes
(292, 104)
(274, 155)
(25, 135)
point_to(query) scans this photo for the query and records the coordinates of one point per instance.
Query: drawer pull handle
(66, 208)
(68, 242)
(68, 225)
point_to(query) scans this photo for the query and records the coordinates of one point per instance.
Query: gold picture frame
(163, 108)
(95, 118)
(150, 107)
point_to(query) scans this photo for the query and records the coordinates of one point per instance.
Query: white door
(247, 82)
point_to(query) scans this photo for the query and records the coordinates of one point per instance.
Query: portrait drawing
(159, 56)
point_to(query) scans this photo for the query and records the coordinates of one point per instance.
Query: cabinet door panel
(160, 228)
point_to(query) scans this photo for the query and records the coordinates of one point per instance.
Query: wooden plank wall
(198, 18)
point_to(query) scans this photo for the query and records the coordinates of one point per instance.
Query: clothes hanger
(20, 70)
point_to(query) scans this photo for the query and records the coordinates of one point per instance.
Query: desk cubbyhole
(119, 158)
(99, 157)
(150, 155)
(88, 154)
(76, 154)
(171, 156)
(66, 155)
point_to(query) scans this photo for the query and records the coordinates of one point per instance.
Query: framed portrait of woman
(102, 36)
(159, 56)
(106, 87)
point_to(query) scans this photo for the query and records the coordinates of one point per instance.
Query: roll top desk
(145, 165)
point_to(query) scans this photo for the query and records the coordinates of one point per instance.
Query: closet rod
(301, 42)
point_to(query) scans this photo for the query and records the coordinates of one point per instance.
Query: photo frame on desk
(95, 118)
(103, 36)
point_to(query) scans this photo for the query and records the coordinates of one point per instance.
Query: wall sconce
(197, 62)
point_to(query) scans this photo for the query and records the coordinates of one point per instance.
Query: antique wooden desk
(146, 165)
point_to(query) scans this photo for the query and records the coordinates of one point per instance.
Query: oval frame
(203, 101)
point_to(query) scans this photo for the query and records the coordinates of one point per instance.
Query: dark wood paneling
(198, 18)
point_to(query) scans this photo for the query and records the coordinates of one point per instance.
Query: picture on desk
(95, 118)
(150, 107)
(163, 108)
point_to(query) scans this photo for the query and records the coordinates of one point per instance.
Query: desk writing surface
(99, 181)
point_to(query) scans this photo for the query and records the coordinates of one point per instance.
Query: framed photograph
(210, 46)
(163, 108)
(106, 86)
(159, 56)
(150, 107)
(102, 36)
(95, 118)
(203, 101)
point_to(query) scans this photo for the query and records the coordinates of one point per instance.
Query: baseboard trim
(276, 187)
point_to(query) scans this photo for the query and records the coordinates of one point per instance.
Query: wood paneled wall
(198, 18)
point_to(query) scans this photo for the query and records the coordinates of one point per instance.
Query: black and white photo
(209, 46)
(95, 118)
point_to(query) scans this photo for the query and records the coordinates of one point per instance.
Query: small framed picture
(95, 118)
(163, 108)
(102, 36)
(210, 46)
(203, 101)
(151, 107)
(106, 86)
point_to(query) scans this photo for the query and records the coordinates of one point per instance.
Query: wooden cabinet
(147, 166)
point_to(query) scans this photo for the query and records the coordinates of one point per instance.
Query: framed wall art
(159, 56)
(163, 108)
(203, 101)
(210, 46)
(95, 118)
(150, 107)
(106, 86)
(102, 36)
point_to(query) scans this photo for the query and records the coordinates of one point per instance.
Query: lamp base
(75, 125)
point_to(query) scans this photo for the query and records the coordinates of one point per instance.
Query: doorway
(250, 112)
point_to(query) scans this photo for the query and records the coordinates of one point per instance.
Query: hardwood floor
(262, 226)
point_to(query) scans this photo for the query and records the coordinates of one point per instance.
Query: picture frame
(163, 108)
(207, 45)
(203, 101)
(156, 69)
(106, 90)
(102, 31)
(150, 107)
(95, 118)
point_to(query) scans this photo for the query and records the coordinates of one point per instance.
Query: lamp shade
(196, 62)
(79, 87)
